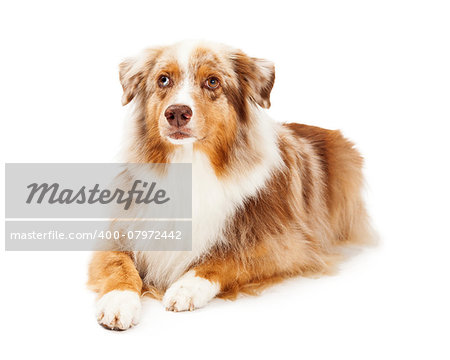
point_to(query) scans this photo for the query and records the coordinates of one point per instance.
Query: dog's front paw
(189, 292)
(119, 309)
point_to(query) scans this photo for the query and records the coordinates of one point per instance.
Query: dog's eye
(163, 81)
(212, 83)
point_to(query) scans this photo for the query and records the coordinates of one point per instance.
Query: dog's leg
(114, 276)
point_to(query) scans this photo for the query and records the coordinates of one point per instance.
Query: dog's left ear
(256, 75)
(134, 71)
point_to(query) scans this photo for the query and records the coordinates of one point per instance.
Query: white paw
(118, 309)
(189, 292)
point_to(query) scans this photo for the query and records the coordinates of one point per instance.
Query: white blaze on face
(184, 93)
(183, 96)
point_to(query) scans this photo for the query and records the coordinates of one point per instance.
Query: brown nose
(178, 115)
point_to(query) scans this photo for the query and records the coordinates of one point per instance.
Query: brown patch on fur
(113, 270)
(219, 143)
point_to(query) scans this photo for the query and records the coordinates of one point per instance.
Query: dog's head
(196, 92)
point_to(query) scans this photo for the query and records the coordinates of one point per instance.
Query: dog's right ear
(257, 75)
(133, 72)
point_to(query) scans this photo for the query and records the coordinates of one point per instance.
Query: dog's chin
(180, 138)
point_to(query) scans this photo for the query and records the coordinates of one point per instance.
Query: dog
(270, 200)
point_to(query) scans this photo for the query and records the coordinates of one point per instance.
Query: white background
(378, 70)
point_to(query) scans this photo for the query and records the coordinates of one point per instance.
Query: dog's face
(197, 93)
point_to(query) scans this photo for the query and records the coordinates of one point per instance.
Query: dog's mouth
(180, 135)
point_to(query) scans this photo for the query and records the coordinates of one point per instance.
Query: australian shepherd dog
(270, 200)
